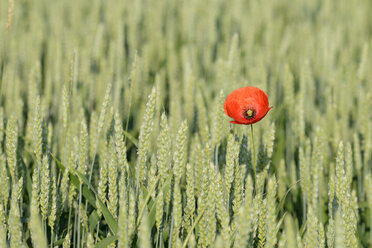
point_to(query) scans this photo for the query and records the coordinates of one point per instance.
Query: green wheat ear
(44, 188)
(3, 238)
(37, 234)
(11, 143)
(180, 154)
(14, 221)
(144, 138)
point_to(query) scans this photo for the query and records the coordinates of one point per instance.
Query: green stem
(78, 228)
(97, 233)
(51, 239)
(158, 238)
(254, 155)
(147, 199)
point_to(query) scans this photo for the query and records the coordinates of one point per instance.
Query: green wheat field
(113, 133)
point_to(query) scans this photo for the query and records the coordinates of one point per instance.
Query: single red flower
(246, 105)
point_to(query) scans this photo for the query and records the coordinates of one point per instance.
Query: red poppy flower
(246, 105)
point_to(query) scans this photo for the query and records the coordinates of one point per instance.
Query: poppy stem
(254, 154)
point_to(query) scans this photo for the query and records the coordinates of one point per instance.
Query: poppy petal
(247, 105)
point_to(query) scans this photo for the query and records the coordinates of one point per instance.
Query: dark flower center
(249, 113)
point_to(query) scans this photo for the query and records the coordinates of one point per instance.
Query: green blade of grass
(90, 194)
(131, 138)
(106, 241)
